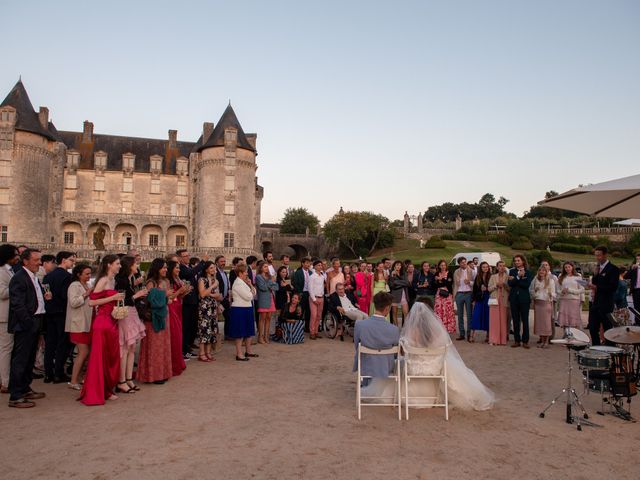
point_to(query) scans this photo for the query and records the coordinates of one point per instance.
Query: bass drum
(599, 382)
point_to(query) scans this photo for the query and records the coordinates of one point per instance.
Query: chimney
(207, 130)
(43, 116)
(87, 132)
(173, 138)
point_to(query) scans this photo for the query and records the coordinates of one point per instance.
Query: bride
(423, 329)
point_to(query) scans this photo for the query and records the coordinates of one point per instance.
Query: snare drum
(593, 360)
(607, 349)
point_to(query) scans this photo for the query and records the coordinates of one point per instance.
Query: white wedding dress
(424, 329)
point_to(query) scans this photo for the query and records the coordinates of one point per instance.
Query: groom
(377, 333)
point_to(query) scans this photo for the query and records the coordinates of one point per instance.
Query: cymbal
(569, 341)
(623, 335)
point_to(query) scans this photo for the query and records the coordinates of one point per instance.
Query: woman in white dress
(424, 329)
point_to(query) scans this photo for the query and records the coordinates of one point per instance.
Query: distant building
(81, 188)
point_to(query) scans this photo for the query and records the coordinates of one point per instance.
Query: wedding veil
(423, 328)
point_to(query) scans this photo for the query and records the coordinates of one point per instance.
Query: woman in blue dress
(480, 317)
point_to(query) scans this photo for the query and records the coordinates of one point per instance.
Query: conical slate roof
(27, 118)
(227, 120)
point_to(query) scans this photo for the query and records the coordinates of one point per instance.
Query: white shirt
(346, 303)
(36, 284)
(466, 273)
(272, 270)
(316, 286)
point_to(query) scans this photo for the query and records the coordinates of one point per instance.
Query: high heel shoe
(121, 390)
(132, 385)
(242, 359)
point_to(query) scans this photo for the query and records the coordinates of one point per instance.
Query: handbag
(443, 293)
(143, 309)
(492, 301)
(120, 311)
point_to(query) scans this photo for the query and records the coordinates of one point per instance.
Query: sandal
(203, 358)
(241, 359)
(210, 357)
(132, 385)
(120, 390)
(252, 355)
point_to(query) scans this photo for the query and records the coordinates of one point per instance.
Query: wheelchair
(331, 323)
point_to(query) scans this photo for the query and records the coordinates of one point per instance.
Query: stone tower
(226, 191)
(29, 158)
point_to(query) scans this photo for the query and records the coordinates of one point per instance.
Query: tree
(298, 220)
(486, 207)
(359, 232)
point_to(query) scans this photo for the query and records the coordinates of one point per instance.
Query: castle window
(229, 239)
(73, 159)
(99, 160)
(127, 184)
(230, 135)
(229, 207)
(181, 166)
(71, 181)
(99, 184)
(155, 186)
(154, 209)
(182, 188)
(5, 168)
(4, 196)
(69, 204)
(4, 233)
(128, 161)
(154, 239)
(127, 207)
(181, 241)
(156, 163)
(229, 183)
(69, 238)
(127, 238)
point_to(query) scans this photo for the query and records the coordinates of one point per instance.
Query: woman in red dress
(363, 290)
(154, 364)
(176, 292)
(103, 369)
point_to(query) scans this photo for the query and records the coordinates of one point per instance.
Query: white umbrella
(629, 222)
(615, 198)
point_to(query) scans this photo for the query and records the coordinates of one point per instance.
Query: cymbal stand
(572, 400)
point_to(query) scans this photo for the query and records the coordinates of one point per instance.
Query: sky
(379, 106)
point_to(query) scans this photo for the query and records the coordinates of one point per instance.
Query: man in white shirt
(268, 257)
(26, 312)
(463, 279)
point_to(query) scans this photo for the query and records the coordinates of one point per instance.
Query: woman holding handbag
(103, 368)
(131, 328)
(443, 284)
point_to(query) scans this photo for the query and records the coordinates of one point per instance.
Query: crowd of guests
(57, 310)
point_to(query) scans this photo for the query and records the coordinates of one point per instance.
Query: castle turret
(227, 195)
(28, 152)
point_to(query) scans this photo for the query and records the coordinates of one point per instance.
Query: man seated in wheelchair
(290, 328)
(342, 306)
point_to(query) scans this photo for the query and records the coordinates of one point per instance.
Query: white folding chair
(430, 352)
(396, 400)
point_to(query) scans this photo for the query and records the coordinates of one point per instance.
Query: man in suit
(604, 284)
(225, 290)
(376, 332)
(343, 304)
(300, 284)
(8, 258)
(57, 345)
(520, 279)
(189, 301)
(26, 313)
(633, 275)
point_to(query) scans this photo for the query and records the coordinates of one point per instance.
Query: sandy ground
(291, 414)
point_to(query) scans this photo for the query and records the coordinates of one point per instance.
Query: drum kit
(611, 371)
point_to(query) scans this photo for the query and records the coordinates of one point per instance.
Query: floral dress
(208, 317)
(444, 305)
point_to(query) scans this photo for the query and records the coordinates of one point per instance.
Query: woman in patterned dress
(444, 298)
(208, 311)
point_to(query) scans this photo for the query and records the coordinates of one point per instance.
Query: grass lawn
(406, 248)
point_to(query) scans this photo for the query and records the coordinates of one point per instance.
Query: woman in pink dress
(154, 364)
(363, 291)
(499, 292)
(444, 297)
(103, 368)
(177, 291)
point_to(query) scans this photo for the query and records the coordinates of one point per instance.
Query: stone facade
(91, 193)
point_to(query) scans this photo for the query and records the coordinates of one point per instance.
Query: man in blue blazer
(376, 332)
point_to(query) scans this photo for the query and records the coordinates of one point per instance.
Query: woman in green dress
(378, 284)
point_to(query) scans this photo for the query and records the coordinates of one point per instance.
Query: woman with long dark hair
(78, 319)
(131, 327)
(378, 284)
(399, 287)
(177, 290)
(103, 368)
(481, 294)
(209, 293)
(154, 364)
(443, 284)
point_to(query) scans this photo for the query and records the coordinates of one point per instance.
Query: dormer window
(182, 166)
(73, 159)
(230, 135)
(128, 161)
(8, 114)
(100, 160)
(156, 163)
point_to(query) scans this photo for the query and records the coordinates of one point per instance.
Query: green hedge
(571, 248)
(536, 257)
(435, 242)
(522, 243)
